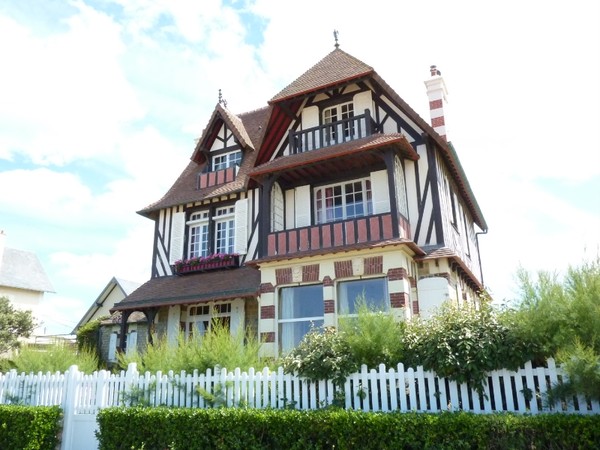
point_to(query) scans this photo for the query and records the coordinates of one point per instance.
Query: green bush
(29, 427)
(88, 336)
(248, 429)
(217, 348)
(57, 357)
(321, 355)
(464, 344)
(373, 337)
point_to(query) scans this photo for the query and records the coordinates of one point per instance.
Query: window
(373, 291)
(343, 201)
(226, 160)
(224, 229)
(198, 234)
(300, 307)
(338, 113)
(202, 318)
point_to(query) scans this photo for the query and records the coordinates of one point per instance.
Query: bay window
(343, 201)
(202, 318)
(373, 292)
(300, 308)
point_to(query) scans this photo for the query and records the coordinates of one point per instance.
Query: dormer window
(225, 160)
(341, 112)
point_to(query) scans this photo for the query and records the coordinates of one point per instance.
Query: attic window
(225, 160)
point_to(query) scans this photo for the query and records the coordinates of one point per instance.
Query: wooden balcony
(208, 179)
(340, 234)
(331, 134)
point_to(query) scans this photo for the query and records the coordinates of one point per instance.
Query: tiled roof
(337, 67)
(196, 288)
(348, 148)
(184, 189)
(22, 270)
(445, 252)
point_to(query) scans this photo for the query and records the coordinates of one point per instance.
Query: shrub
(373, 337)
(88, 336)
(57, 357)
(29, 427)
(321, 355)
(217, 348)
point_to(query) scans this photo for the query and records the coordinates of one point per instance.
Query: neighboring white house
(108, 334)
(23, 281)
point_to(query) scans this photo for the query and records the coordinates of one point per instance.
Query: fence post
(68, 406)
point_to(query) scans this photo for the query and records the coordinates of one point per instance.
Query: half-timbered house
(336, 192)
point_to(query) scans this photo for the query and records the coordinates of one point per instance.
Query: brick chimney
(437, 92)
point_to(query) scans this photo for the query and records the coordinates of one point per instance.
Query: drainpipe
(479, 254)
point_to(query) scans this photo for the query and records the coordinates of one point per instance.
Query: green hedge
(29, 427)
(179, 429)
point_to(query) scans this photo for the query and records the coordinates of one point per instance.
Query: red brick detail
(398, 273)
(388, 231)
(266, 288)
(413, 282)
(310, 273)
(327, 237)
(398, 299)
(267, 312)
(415, 307)
(304, 240)
(271, 245)
(315, 241)
(293, 242)
(343, 269)
(436, 104)
(373, 265)
(283, 276)
(269, 336)
(374, 225)
(327, 281)
(329, 306)
(445, 275)
(338, 234)
(362, 230)
(438, 122)
(350, 231)
(282, 243)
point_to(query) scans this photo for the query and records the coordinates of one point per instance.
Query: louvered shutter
(112, 347)
(380, 192)
(303, 218)
(241, 227)
(177, 237)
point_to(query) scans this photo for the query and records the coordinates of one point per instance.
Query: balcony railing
(209, 179)
(336, 234)
(331, 134)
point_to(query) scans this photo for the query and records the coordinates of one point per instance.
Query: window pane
(198, 241)
(291, 333)
(225, 236)
(373, 291)
(301, 301)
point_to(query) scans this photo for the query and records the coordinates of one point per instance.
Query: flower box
(202, 264)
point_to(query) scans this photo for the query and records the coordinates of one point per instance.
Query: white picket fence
(394, 389)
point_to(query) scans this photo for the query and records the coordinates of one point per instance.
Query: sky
(101, 103)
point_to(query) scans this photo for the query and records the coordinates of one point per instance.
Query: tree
(14, 324)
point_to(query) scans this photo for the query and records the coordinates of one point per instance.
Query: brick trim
(373, 265)
(266, 288)
(343, 269)
(397, 273)
(267, 312)
(310, 273)
(284, 276)
(327, 281)
(268, 336)
(398, 299)
(329, 306)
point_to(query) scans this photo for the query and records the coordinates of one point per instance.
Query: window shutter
(112, 347)
(276, 208)
(177, 237)
(380, 192)
(303, 218)
(241, 226)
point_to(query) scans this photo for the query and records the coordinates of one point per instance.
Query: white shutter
(276, 208)
(177, 237)
(380, 192)
(131, 342)
(241, 226)
(112, 347)
(303, 218)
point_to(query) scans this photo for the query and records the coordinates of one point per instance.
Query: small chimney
(437, 92)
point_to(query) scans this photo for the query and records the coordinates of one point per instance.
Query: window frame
(281, 322)
(206, 314)
(346, 312)
(226, 160)
(320, 196)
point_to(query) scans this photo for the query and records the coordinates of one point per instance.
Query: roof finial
(222, 101)
(336, 33)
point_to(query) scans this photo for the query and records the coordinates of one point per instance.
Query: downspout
(479, 254)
